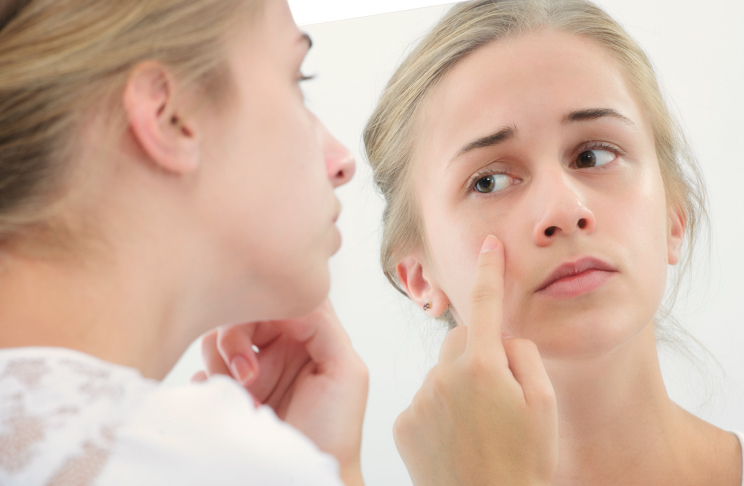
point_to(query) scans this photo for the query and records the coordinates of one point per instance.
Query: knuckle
(480, 367)
(545, 395)
(440, 384)
(481, 294)
(489, 259)
(209, 343)
(454, 341)
(226, 334)
(210, 337)
(521, 346)
(456, 334)
(402, 425)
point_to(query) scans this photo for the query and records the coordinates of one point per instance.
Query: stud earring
(427, 306)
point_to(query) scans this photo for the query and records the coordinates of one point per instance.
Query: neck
(617, 425)
(122, 313)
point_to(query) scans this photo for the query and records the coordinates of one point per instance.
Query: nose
(339, 162)
(562, 211)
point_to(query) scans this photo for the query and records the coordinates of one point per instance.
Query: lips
(578, 277)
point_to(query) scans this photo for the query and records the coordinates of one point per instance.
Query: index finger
(487, 298)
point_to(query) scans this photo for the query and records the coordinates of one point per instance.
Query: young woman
(160, 176)
(536, 185)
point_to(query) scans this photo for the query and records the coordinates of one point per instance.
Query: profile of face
(272, 168)
(539, 140)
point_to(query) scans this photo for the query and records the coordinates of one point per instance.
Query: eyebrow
(594, 114)
(507, 133)
(502, 135)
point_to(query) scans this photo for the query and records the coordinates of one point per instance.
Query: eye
(492, 183)
(594, 158)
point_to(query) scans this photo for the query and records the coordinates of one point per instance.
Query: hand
(486, 413)
(306, 370)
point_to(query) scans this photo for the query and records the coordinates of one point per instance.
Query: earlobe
(676, 226)
(421, 288)
(155, 116)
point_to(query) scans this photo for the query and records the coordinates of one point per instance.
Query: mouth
(575, 278)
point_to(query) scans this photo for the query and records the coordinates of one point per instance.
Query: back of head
(62, 59)
(390, 134)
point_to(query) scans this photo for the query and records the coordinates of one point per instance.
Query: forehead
(531, 81)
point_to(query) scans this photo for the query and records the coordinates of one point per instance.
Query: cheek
(640, 220)
(455, 238)
(265, 190)
(453, 250)
(648, 262)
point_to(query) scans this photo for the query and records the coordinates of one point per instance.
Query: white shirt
(69, 418)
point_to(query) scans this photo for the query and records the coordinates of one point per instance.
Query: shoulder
(211, 433)
(740, 436)
(58, 409)
(69, 418)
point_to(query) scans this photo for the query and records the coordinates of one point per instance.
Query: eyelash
(588, 146)
(304, 77)
(480, 175)
(602, 146)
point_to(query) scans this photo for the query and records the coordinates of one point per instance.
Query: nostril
(582, 223)
(550, 231)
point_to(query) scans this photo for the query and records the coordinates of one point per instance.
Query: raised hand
(307, 371)
(486, 413)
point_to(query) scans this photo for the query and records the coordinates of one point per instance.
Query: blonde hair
(60, 58)
(389, 137)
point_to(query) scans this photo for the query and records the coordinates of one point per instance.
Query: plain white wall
(316, 11)
(698, 50)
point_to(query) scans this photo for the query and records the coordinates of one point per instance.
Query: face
(269, 175)
(539, 141)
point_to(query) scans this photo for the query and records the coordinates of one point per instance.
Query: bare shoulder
(714, 455)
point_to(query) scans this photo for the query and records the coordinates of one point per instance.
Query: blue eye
(594, 158)
(492, 183)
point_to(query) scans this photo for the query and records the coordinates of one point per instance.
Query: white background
(698, 50)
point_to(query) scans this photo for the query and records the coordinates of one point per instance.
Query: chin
(591, 333)
(308, 294)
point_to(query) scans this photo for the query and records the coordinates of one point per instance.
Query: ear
(676, 226)
(156, 118)
(420, 287)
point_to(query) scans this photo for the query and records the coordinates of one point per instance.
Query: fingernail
(490, 244)
(241, 369)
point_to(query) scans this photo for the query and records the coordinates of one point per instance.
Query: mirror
(699, 56)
